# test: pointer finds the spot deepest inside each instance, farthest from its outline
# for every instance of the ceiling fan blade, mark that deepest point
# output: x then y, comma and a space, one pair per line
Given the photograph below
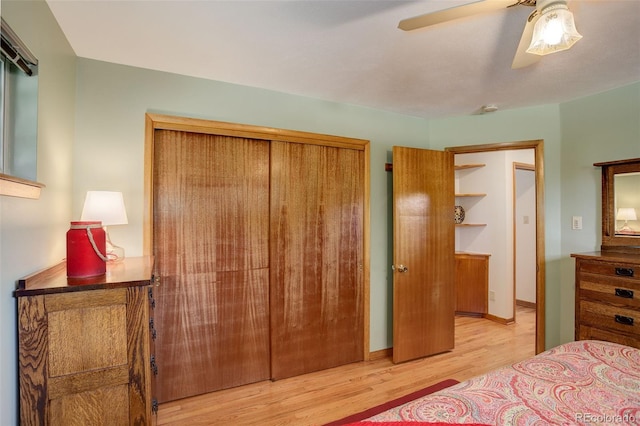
522, 58
477, 7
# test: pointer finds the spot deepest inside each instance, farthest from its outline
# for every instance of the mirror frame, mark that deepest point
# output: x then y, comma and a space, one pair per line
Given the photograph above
611, 241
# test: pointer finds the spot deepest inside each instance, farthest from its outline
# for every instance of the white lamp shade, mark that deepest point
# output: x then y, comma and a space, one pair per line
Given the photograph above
626, 213
105, 206
554, 31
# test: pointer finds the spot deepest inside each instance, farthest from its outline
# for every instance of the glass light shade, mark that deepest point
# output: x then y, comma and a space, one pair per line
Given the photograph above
554, 31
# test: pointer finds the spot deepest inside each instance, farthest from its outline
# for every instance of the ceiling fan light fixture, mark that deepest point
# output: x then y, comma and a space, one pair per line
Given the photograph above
554, 31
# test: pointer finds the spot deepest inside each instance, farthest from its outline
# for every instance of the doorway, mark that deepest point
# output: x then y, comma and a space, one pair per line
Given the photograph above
524, 219
537, 147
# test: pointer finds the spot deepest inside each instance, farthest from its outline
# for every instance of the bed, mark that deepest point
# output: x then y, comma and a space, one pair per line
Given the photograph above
584, 382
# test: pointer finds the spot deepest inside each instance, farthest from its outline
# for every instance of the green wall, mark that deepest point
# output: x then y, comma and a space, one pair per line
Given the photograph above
32, 232
523, 124
109, 93
91, 136
113, 99
602, 127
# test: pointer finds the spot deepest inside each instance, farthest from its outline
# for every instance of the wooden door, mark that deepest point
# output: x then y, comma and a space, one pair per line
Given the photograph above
211, 231
423, 253
317, 205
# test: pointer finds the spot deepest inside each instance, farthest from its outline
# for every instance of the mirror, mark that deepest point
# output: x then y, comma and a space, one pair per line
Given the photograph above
621, 205
626, 191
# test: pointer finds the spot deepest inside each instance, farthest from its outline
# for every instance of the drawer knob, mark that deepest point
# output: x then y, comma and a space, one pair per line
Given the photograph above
624, 272
621, 319
627, 294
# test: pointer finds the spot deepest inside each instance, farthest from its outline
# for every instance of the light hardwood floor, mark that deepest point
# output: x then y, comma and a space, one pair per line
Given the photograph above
317, 398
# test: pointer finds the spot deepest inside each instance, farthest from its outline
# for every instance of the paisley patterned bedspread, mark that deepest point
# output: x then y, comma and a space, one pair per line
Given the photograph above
585, 382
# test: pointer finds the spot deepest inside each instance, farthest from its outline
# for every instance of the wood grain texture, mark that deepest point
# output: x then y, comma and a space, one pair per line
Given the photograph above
317, 208
424, 242
79, 300
595, 288
101, 406
472, 283
211, 207
155, 122
86, 339
152, 376
75, 355
134, 271
187, 124
603, 315
33, 348
610, 239
320, 397
60, 386
138, 356
607, 294
586, 332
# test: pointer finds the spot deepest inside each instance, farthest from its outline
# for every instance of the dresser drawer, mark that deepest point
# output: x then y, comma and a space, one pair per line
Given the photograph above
620, 270
611, 317
617, 291
585, 332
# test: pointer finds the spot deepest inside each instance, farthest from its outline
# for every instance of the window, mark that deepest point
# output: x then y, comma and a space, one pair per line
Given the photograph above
18, 116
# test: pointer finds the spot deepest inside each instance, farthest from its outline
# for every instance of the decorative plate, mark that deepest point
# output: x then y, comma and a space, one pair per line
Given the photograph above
458, 214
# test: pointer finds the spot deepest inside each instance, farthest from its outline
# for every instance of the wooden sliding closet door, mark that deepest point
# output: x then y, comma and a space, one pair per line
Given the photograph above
210, 233
317, 199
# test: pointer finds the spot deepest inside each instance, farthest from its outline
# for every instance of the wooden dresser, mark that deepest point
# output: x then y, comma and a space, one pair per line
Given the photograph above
85, 346
607, 293
608, 297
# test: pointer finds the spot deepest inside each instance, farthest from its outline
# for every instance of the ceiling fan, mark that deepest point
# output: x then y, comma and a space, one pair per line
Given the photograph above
555, 13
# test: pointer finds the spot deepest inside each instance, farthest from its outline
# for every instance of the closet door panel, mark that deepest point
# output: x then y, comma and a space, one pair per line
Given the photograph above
316, 258
211, 230
218, 337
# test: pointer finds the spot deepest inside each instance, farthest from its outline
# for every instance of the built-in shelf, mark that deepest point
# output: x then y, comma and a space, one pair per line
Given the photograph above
471, 195
467, 166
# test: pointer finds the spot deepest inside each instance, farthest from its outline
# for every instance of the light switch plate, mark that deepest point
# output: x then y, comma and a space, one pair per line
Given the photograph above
576, 222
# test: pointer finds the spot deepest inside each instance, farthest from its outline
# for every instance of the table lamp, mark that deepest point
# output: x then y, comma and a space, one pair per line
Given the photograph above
626, 214
108, 208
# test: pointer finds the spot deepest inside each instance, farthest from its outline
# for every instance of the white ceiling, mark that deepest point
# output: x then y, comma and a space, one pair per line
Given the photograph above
351, 51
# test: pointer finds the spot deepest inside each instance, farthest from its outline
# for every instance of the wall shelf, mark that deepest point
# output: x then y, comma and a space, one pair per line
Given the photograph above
470, 166
467, 166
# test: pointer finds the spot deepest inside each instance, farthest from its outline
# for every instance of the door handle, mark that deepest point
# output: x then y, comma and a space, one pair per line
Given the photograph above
399, 268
